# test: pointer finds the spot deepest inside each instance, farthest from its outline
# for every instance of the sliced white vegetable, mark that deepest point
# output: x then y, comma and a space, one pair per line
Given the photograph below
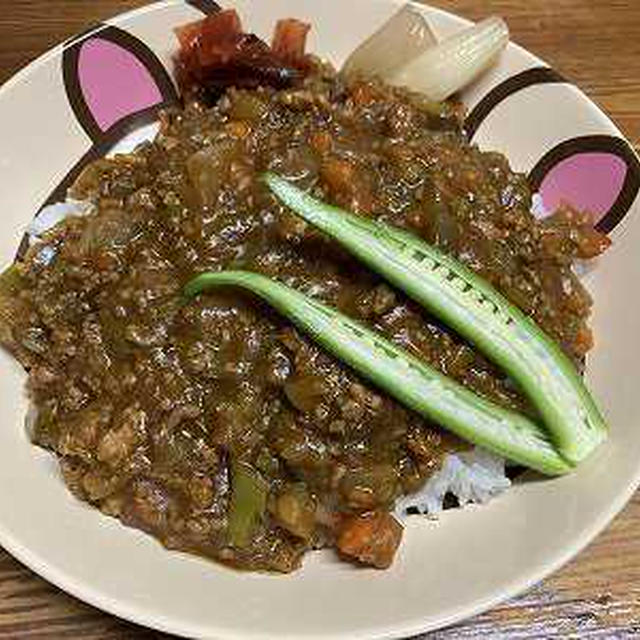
443, 70
403, 37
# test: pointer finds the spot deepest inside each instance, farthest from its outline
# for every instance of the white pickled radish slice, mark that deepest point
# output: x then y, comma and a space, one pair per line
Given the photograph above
404, 36
450, 66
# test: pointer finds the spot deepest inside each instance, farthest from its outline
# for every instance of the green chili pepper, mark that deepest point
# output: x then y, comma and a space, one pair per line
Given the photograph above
474, 309
410, 381
248, 504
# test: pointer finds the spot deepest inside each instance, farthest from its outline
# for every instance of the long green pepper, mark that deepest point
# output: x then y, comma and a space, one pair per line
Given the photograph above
473, 308
412, 382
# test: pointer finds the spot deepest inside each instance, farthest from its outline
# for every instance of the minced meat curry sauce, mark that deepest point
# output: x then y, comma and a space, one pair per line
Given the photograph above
213, 424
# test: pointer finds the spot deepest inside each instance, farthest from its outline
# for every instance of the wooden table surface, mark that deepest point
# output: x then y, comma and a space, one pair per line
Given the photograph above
595, 43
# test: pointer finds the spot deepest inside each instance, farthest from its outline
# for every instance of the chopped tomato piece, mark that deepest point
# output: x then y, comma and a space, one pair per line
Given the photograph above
321, 142
364, 94
584, 341
370, 538
348, 185
211, 32
290, 39
216, 54
187, 34
592, 242
339, 174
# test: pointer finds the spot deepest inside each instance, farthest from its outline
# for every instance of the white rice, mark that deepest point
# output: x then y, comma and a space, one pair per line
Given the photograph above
475, 476
53, 214
537, 207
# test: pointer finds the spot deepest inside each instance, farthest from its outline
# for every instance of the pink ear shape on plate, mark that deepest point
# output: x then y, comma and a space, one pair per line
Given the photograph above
115, 84
589, 181
600, 174
114, 81
597, 173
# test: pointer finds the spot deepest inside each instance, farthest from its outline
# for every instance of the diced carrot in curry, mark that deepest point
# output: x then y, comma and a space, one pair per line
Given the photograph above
372, 538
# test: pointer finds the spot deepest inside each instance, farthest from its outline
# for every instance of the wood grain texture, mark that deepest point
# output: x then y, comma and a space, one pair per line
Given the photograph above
595, 43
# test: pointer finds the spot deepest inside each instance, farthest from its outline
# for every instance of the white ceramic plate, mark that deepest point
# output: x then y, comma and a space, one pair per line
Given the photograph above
114, 80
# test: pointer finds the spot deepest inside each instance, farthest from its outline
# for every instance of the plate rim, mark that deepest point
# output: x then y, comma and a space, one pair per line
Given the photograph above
85, 592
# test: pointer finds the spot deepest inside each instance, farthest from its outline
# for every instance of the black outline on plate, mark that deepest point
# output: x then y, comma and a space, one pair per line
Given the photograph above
127, 42
586, 144
116, 133
208, 7
103, 141
536, 75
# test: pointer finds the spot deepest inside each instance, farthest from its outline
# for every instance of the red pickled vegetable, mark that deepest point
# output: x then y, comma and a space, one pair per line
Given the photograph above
217, 31
290, 40
216, 54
